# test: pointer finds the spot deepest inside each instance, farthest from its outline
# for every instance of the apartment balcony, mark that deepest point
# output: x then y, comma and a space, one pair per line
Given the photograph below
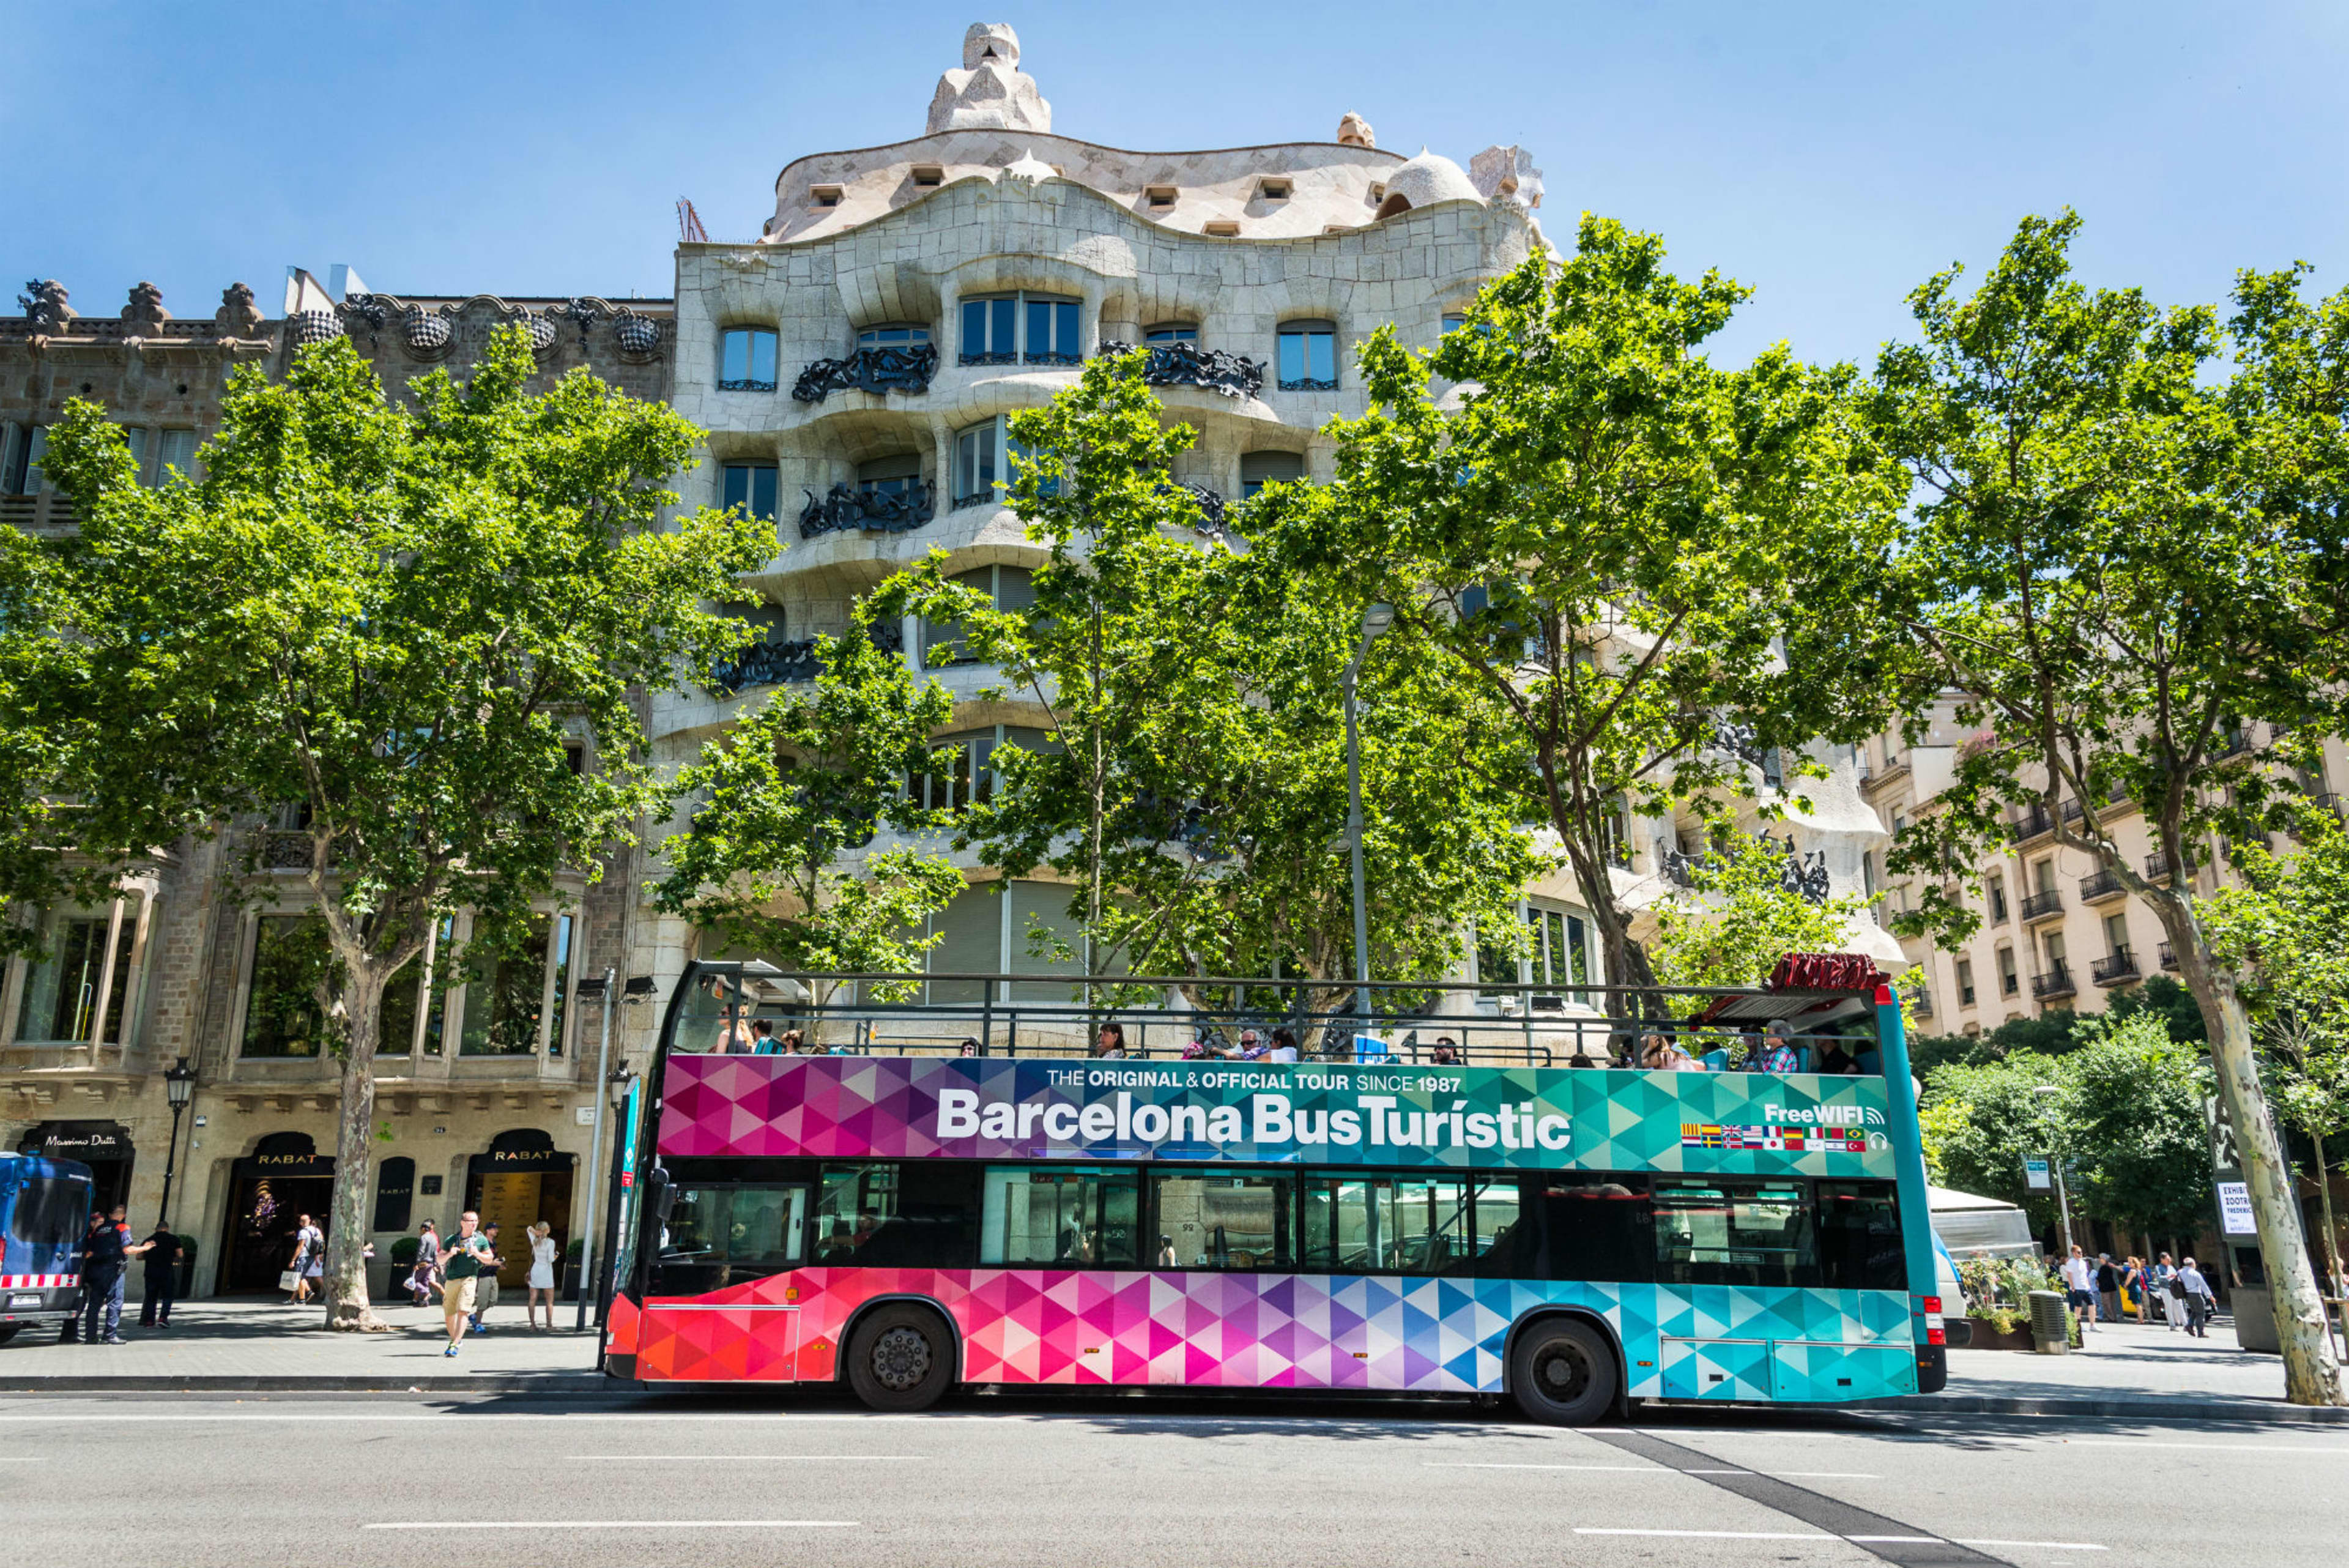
868, 509
906, 369
2055, 982
2115, 967
2157, 867
2234, 743
2169, 957
2047, 906
2034, 823
1188, 365
1921, 1005
2073, 810
2102, 887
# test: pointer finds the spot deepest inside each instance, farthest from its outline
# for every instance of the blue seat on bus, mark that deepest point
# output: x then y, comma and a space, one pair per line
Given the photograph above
1872, 1062
1715, 1061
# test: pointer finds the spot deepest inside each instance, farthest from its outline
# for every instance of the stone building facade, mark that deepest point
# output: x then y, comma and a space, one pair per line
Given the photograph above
481, 1098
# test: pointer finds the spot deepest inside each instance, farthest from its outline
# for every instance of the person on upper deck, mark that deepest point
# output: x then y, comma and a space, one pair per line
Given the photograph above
1778, 1055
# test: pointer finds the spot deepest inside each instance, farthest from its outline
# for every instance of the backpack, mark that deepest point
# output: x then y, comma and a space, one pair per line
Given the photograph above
2178, 1287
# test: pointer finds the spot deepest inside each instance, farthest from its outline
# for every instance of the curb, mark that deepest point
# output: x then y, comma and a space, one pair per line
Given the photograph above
564, 1383
2278, 1414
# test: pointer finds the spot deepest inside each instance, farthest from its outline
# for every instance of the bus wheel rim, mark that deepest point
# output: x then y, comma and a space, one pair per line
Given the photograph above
901, 1359
1562, 1370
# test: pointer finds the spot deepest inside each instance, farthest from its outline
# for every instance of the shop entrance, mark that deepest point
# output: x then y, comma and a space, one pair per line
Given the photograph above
104, 1146
519, 1182
281, 1180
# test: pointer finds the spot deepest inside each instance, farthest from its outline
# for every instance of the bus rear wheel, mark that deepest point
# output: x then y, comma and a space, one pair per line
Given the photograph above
901, 1357
1562, 1371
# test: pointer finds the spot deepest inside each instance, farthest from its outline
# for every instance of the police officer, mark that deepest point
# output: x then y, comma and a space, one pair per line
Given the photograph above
106, 1252
163, 1281
70, 1329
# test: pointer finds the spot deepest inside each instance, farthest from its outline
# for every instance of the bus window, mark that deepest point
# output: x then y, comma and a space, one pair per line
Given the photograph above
1595, 1227
919, 1215
1408, 1225
1074, 1218
1225, 1221
1501, 1242
1859, 1237
722, 1236
1734, 1234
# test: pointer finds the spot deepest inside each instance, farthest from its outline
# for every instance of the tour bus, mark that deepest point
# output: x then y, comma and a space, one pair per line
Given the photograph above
43, 1209
904, 1219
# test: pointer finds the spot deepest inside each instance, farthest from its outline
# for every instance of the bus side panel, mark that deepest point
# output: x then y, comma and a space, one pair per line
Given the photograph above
1248, 1331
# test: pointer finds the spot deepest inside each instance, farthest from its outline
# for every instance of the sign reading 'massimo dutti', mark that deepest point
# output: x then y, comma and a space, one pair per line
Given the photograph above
1393, 1116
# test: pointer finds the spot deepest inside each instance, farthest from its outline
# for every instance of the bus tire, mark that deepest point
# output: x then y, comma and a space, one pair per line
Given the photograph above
1562, 1371
9, 1331
901, 1357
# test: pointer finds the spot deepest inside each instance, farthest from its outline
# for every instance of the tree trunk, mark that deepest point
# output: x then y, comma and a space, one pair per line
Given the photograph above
2335, 1285
347, 1227
2312, 1370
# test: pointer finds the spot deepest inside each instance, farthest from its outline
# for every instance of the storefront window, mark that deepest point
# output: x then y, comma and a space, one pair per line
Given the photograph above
282, 1017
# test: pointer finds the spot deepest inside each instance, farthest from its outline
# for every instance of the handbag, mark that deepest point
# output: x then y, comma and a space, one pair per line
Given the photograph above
288, 1281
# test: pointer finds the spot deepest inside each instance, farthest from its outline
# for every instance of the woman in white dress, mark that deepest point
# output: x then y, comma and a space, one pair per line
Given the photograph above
542, 1253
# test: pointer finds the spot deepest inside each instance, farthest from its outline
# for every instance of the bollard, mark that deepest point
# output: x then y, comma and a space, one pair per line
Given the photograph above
2051, 1332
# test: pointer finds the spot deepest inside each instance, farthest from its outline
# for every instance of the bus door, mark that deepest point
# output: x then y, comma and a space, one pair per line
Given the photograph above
706, 1316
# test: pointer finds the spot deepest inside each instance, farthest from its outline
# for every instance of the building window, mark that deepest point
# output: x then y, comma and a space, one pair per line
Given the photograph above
1007, 589
1965, 982
514, 1001
290, 957
899, 476
1307, 357
1453, 321
747, 360
1017, 928
750, 489
1171, 332
1270, 189
2117, 940
415, 1006
1005, 329
962, 765
894, 336
981, 474
1258, 469
1994, 889
21, 473
2007, 983
64, 992
1559, 951
1160, 197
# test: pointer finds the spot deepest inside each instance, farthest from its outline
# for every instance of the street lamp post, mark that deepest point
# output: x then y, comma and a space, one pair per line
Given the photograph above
179, 1087
2055, 1158
1376, 619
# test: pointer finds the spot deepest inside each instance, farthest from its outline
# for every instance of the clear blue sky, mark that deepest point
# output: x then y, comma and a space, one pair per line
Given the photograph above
1831, 156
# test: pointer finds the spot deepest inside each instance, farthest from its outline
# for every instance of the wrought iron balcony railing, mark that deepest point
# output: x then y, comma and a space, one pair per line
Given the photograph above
780, 663
875, 371
2042, 906
2029, 824
1188, 365
849, 508
2056, 981
2114, 968
2157, 867
2168, 956
2100, 885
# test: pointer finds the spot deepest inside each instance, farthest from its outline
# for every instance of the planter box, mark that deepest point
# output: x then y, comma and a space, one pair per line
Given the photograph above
1987, 1336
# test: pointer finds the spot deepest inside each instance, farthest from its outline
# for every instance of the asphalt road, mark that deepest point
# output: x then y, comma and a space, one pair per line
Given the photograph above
200, 1481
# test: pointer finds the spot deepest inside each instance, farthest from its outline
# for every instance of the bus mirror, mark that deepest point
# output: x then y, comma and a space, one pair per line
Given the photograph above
660, 1196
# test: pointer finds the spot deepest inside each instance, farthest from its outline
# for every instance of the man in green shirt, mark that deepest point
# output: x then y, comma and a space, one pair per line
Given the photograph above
467, 1256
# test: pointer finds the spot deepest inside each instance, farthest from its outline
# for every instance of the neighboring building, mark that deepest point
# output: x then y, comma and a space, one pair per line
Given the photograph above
481, 1088
2056, 931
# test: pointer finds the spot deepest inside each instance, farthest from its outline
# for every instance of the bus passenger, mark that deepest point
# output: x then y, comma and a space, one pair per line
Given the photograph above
762, 1037
839, 1247
1284, 1047
1110, 1042
1659, 1054
1166, 1259
1835, 1059
1778, 1055
1447, 1053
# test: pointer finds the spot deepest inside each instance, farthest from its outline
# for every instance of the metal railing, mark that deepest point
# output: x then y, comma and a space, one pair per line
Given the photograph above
2099, 886
2114, 968
1174, 1018
2055, 981
2168, 956
2041, 905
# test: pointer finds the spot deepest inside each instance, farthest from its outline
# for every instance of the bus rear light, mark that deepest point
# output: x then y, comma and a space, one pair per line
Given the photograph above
1936, 1336
1932, 1306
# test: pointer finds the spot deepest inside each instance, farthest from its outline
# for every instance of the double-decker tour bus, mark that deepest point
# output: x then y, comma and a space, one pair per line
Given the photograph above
906, 1211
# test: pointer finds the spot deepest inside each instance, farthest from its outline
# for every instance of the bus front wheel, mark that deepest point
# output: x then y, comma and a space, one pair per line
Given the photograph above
1562, 1371
901, 1357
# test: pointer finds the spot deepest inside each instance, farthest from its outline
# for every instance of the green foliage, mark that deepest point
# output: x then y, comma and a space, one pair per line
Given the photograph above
1194, 792
404, 1251
2126, 1116
2060, 1030
1612, 545
1745, 922
783, 808
2282, 929
1999, 1289
396, 617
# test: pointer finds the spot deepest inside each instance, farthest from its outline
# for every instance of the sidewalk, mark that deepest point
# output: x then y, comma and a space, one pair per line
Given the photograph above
233, 1344
2124, 1369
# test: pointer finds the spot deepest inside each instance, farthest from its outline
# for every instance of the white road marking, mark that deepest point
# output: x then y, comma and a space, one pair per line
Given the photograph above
628, 1524
2050, 1545
1652, 1470
464, 1416
794, 1458
1714, 1534
2337, 1452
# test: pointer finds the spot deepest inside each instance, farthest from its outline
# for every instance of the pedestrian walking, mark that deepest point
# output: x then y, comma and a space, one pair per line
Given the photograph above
162, 1277
460, 1270
542, 1255
105, 1253
485, 1288
2164, 1273
2108, 1289
2080, 1288
309, 1261
2133, 1298
2194, 1291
